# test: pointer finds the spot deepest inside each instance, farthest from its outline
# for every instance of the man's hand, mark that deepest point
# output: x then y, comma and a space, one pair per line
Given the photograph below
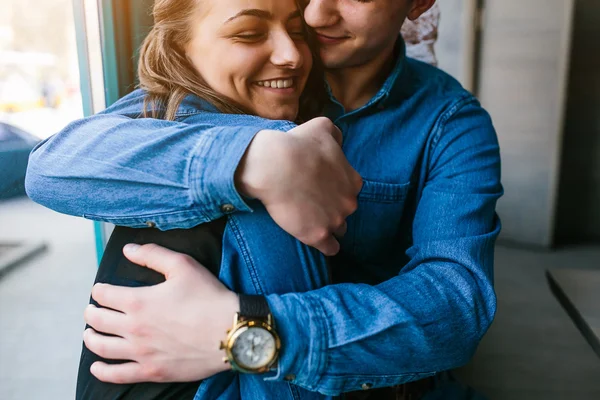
170, 332
304, 180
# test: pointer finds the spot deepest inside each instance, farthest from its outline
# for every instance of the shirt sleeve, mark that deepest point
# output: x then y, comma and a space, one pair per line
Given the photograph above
141, 171
432, 315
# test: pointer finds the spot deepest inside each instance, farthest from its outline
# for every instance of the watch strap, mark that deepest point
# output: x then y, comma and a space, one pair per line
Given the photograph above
254, 306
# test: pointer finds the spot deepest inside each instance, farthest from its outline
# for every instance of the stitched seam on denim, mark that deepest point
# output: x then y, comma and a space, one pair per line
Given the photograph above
448, 114
288, 126
128, 115
186, 114
195, 182
243, 246
381, 198
321, 317
184, 213
378, 376
294, 391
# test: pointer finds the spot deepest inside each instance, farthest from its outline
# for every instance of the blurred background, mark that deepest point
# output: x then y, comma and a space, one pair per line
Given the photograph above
534, 64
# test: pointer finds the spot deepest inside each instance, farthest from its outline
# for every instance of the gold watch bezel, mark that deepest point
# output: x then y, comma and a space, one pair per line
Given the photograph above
241, 326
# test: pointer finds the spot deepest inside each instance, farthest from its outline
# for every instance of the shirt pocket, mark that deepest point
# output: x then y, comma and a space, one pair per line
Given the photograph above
375, 226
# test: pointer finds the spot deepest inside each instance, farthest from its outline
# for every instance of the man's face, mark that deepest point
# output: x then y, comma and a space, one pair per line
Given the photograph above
354, 32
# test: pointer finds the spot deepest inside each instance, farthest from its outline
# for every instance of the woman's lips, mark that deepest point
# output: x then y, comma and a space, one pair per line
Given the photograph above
283, 87
330, 39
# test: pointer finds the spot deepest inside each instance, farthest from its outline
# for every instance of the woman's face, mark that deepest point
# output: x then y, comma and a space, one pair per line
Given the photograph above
254, 52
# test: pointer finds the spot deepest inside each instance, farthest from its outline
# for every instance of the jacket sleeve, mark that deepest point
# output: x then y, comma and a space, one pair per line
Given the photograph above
131, 171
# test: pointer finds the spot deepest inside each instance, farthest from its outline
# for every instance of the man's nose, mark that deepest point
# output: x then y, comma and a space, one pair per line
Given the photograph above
321, 13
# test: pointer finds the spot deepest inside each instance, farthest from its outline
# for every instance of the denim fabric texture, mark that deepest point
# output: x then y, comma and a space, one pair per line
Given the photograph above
413, 285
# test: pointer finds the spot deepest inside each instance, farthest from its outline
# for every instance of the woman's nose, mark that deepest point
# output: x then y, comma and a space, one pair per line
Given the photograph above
285, 52
321, 13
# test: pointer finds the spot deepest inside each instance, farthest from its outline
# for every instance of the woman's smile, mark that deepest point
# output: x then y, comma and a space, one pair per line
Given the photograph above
255, 53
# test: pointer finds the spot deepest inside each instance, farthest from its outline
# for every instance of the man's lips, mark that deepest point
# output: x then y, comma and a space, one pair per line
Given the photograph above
325, 39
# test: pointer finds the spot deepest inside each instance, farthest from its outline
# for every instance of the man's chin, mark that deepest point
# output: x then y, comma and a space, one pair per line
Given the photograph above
334, 60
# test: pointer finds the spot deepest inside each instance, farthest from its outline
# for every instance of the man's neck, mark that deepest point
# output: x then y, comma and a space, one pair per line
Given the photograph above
353, 87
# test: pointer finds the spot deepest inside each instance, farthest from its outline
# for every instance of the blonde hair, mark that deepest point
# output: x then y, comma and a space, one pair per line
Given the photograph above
167, 75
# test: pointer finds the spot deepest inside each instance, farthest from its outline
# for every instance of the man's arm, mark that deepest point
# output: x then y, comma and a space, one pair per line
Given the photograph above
140, 172
429, 318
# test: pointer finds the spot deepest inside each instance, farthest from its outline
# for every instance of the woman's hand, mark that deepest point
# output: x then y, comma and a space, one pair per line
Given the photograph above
304, 180
171, 331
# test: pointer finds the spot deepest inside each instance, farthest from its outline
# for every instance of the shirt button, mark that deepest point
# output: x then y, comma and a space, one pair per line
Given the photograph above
227, 208
150, 224
366, 386
289, 377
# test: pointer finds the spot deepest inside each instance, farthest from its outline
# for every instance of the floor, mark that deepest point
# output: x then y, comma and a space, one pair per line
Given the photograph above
532, 351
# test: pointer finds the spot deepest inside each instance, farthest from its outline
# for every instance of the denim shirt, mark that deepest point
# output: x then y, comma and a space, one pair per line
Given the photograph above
416, 266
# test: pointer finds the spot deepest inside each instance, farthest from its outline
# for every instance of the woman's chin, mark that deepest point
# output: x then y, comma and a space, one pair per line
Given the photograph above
283, 112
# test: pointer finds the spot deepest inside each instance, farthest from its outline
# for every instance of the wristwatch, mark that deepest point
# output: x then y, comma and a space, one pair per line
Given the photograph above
252, 345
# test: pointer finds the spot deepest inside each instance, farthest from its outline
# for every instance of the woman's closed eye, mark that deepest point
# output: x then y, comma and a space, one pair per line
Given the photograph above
250, 36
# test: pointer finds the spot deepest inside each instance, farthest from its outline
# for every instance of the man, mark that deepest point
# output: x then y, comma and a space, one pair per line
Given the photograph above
420, 244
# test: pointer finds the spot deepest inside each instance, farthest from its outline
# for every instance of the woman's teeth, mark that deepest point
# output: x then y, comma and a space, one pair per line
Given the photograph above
277, 84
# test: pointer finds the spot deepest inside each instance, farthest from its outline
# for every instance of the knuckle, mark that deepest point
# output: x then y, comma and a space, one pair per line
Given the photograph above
134, 304
338, 221
149, 248
136, 329
88, 314
92, 318
154, 373
352, 205
143, 351
99, 348
98, 292
320, 234
183, 259
358, 180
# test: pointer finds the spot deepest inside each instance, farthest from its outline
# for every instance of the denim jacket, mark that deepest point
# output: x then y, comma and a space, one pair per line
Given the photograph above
415, 274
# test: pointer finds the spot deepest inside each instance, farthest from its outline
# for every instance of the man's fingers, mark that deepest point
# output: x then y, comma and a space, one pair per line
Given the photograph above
110, 347
328, 246
337, 135
130, 372
104, 320
120, 298
341, 231
154, 257
318, 125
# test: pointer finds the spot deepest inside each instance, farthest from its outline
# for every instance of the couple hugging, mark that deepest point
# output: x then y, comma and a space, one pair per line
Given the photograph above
302, 211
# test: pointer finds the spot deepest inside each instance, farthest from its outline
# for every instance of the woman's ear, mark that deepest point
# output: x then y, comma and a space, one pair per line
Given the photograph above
419, 7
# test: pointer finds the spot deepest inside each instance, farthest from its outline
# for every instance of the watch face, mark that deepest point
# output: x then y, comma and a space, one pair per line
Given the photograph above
254, 348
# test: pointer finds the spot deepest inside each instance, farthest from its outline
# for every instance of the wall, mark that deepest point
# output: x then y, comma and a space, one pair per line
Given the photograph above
454, 48
579, 194
525, 48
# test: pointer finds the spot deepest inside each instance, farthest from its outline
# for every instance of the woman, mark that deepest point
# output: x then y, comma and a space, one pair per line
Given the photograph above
215, 60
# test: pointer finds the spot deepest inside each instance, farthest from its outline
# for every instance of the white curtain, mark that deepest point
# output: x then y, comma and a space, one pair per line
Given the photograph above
420, 35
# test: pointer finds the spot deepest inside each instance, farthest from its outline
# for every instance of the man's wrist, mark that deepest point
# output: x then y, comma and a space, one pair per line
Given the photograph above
230, 307
252, 344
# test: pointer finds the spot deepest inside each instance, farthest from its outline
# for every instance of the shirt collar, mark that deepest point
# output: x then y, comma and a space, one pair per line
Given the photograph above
393, 82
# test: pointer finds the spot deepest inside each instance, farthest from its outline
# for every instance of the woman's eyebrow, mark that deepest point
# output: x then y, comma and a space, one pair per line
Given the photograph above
254, 12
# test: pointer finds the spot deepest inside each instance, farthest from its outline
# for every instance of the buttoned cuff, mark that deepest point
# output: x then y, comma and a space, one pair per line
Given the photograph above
213, 166
302, 326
